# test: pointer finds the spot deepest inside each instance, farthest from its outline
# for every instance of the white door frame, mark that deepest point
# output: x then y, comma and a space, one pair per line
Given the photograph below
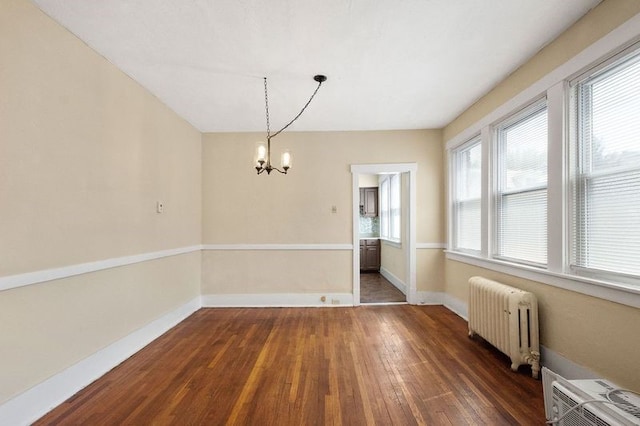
374, 169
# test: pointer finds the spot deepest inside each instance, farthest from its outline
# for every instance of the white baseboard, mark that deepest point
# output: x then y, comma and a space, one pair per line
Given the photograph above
430, 297
564, 366
34, 403
457, 306
280, 300
397, 282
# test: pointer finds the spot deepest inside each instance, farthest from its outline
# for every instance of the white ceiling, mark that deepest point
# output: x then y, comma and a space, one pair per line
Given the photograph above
391, 64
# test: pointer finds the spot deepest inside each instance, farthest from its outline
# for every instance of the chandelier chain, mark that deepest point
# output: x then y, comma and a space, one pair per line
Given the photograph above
266, 107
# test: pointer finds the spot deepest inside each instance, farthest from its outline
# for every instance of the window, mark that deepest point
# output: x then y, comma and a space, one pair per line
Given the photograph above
521, 186
467, 193
552, 192
390, 207
605, 176
384, 208
394, 207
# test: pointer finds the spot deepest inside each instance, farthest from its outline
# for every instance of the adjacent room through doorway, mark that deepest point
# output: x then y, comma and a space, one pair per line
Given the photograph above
381, 235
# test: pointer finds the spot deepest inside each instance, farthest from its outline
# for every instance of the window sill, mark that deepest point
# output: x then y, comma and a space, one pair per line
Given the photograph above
619, 293
392, 243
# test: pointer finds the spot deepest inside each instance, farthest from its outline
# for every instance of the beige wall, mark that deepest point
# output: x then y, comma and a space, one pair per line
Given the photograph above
368, 181
599, 335
393, 259
85, 153
430, 272
274, 271
240, 207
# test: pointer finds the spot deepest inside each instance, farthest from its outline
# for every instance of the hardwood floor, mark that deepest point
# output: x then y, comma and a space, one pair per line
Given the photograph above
374, 288
387, 365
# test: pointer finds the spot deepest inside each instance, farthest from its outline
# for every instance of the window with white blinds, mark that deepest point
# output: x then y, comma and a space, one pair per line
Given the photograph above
605, 159
467, 194
556, 198
521, 186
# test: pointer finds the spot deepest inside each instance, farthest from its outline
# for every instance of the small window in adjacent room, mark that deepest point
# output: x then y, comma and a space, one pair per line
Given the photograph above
467, 193
605, 171
394, 207
384, 208
521, 187
390, 207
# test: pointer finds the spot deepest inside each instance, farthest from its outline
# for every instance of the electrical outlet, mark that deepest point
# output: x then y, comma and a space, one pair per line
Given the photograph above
159, 207
335, 301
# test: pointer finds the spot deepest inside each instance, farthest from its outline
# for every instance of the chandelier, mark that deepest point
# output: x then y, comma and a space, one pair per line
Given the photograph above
263, 151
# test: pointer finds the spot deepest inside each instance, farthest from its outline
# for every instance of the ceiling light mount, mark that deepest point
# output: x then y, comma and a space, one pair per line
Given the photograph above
263, 151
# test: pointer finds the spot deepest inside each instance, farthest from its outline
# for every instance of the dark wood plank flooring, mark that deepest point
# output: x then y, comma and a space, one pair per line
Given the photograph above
387, 365
374, 288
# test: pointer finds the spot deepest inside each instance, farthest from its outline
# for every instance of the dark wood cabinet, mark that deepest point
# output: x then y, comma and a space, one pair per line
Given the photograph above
370, 255
369, 202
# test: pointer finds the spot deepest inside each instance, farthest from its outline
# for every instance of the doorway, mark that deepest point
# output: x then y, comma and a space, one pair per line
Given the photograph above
381, 226
405, 262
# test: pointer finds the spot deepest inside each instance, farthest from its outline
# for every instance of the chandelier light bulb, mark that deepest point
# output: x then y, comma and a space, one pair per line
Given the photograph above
261, 152
286, 159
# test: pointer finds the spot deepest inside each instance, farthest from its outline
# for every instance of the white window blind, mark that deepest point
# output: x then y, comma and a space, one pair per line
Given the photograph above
521, 186
467, 165
606, 169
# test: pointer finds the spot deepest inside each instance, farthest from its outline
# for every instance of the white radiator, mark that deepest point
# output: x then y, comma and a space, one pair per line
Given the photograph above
507, 318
